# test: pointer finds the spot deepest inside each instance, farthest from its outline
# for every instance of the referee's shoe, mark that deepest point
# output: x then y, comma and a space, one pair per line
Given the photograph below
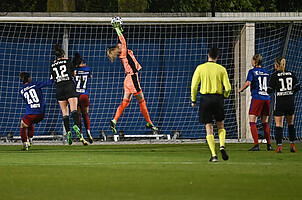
223, 152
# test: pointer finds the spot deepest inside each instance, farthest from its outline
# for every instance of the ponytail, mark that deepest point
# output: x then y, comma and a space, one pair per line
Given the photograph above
258, 59
280, 62
59, 51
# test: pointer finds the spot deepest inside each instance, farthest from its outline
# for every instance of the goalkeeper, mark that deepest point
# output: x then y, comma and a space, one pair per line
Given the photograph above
131, 83
212, 76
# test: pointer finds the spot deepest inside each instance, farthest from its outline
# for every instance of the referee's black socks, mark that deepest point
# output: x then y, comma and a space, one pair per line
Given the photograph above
279, 131
75, 116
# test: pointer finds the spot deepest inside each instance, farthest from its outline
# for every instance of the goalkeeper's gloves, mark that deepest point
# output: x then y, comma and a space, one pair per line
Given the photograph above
117, 24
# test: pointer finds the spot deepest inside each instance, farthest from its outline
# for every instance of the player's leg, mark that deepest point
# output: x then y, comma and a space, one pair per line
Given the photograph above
23, 134
279, 130
126, 101
31, 129
143, 107
211, 142
73, 103
85, 113
80, 117
221, 135
291, 132
65, 112
266, 129
254, 131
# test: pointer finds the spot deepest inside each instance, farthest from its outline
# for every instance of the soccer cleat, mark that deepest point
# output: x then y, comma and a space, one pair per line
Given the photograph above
269, 147
25, 147
84, 142
112, 126
29, 144
292, 148
90, 139
223, 152
255, 148
69, 137
279, 149
151, 126
214, 159
78, 131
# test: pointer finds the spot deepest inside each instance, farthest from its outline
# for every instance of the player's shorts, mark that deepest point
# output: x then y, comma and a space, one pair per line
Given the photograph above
259, 107
283, 110
66, 91
211, 107
131, 84
32, 119
83, 101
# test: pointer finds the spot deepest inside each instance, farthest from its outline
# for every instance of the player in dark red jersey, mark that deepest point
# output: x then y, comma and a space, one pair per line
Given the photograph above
82, 76
257, 79
284, 84
62, 71
31, 93
131, 83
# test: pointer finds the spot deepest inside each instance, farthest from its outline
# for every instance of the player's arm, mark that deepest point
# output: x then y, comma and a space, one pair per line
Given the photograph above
45, 83
247, 82
117, 25
194, 86
296, 84
226, 84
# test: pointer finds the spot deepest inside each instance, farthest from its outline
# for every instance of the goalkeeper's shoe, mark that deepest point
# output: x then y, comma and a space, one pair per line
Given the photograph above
151, 126
255, 148
223, 152
90, 139
279, 149
69, 137
292, 148
112, 126
269, 147
214, 159
84, 142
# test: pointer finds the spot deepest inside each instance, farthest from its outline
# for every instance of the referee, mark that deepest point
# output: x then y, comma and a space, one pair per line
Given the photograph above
212, 76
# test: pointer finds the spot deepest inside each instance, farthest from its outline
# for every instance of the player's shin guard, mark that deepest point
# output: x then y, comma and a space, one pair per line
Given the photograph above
267, 132
144, 110
31, 131
23, 134
254, 132
66, 123
279, 131
86, 121
75, 116
291, 133
121, 108
221, 135
211, 143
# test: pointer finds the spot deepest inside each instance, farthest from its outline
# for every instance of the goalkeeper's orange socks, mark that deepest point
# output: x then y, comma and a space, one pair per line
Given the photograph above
221, 135
267, 132
121, 109
144, 110
211, 143
254, 132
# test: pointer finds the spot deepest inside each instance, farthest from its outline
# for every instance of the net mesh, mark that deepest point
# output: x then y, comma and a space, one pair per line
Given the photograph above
168, 54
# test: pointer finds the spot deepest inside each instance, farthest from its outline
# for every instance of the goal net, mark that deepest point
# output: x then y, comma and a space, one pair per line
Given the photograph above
168, 51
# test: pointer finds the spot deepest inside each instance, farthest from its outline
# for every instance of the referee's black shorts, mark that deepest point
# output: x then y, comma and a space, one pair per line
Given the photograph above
211, 107
66, 91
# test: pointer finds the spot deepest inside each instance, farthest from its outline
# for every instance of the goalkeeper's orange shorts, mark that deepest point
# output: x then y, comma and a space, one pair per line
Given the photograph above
131, 84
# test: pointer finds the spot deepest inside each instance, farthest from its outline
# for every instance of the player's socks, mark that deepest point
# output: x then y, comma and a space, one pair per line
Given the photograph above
278, 135
221, 135
291, 133
86, 121
75, 116
66, 123
254, 132
121, 109
31, 131
211, 143
144, 110
267, 132
23, 134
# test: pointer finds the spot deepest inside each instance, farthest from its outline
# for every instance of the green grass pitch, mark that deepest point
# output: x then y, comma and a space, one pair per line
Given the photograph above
149, 171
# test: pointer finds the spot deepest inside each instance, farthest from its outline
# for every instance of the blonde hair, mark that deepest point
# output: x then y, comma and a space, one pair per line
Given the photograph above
113, 52
258, 59
281, 63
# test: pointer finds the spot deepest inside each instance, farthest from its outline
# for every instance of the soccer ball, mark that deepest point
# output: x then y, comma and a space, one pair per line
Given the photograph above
117, 19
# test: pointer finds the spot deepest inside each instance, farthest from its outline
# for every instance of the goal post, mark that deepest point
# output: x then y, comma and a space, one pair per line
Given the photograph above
169, 50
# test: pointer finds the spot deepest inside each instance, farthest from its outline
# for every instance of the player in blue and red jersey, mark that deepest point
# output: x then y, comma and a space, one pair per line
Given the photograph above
35, 107
82, 76
257, 79
131, 84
